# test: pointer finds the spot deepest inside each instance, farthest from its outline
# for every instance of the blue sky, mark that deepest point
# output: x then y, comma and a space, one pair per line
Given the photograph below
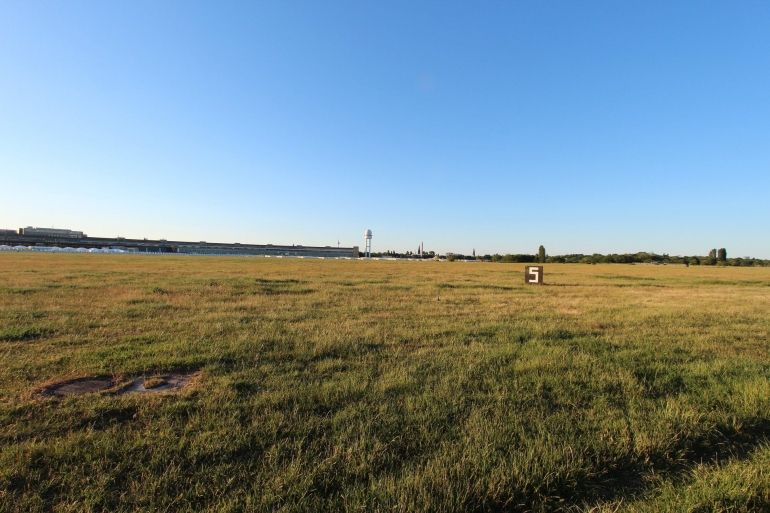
583, 126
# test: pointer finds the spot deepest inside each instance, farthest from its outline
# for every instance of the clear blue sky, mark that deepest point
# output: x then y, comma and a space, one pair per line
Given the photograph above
583, 126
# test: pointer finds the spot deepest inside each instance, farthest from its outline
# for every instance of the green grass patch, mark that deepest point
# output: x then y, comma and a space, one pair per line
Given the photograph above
22, 333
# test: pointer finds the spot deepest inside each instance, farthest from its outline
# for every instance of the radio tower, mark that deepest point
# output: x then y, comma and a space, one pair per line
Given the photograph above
368, 243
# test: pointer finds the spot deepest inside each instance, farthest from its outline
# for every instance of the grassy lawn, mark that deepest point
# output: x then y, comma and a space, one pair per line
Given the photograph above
332, 385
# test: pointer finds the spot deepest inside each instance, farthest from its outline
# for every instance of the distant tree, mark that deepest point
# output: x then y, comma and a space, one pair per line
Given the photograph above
713, 254
450, 257
695, 261
643, 257
517, 258
541, 255
722, 255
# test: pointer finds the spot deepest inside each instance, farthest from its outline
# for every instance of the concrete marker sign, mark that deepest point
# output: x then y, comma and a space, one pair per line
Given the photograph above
533, 274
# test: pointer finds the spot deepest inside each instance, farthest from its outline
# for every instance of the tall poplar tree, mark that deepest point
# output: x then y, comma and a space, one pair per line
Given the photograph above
722, 255
541, 255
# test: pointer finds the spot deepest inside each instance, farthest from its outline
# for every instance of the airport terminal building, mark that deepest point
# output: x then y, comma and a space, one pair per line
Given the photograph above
57, 238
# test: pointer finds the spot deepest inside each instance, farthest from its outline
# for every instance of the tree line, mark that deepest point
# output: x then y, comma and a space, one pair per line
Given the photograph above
714, 257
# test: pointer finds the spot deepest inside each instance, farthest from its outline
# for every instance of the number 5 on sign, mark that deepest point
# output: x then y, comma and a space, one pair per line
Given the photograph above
533, 274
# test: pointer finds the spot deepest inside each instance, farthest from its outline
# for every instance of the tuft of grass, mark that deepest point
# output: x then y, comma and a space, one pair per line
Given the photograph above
154, 382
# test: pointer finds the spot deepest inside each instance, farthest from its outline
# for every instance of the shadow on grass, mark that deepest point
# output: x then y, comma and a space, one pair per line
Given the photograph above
605, 285
623, 480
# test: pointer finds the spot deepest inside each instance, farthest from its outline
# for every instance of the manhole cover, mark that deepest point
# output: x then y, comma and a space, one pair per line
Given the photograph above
79, 386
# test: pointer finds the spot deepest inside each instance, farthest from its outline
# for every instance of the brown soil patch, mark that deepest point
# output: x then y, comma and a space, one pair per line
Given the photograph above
129, 385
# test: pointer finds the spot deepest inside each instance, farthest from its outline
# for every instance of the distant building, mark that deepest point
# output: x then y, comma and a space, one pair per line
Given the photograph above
50, 237
51, 232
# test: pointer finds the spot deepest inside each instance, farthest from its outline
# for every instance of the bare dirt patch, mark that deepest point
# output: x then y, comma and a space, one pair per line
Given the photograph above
164, 383
131, 385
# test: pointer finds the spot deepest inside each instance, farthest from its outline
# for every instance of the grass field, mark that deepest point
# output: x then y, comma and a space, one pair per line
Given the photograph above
348, 386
